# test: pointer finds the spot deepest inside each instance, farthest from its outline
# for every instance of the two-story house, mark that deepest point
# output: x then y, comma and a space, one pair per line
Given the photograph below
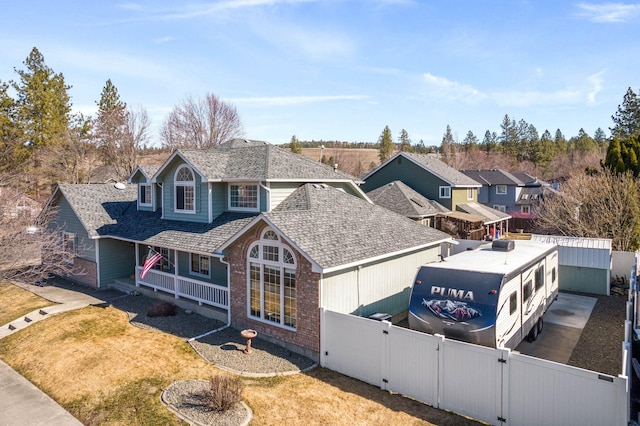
250, 234
514, 193
439, 182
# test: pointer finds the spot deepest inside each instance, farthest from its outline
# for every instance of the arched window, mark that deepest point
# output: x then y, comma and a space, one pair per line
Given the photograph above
271, 283
184, 190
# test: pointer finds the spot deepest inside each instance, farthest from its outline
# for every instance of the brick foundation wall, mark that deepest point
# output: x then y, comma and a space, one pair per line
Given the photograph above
84, 272
306, 338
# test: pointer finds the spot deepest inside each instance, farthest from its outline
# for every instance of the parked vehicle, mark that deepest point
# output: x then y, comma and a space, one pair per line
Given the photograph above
492, 296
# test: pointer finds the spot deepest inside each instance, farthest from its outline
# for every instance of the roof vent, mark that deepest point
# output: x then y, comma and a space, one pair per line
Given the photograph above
120, 185
503, 245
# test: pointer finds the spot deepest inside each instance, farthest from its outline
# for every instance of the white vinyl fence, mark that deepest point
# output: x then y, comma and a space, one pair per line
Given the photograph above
496, 386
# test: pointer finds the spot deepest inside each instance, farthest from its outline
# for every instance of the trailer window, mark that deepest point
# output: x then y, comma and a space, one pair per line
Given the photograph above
513, 302
539, 277
553, 275
526, 291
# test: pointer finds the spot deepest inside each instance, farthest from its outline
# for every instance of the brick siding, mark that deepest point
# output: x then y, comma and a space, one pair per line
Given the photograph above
306, 338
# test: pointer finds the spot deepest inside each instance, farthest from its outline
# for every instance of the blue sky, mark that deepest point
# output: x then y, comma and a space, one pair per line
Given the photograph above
342, 70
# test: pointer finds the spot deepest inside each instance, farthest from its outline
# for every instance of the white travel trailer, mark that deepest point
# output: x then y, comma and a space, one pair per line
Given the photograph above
492, 296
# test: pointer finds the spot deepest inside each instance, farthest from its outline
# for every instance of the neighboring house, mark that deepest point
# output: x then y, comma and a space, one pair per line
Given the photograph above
261, 237
514, 193
437, 181
427, 175
16, 204
398, 197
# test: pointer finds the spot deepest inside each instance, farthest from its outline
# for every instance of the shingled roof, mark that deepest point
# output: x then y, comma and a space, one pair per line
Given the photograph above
434, 166
493, 177
400, 198
255, 160
106, 211
336, 229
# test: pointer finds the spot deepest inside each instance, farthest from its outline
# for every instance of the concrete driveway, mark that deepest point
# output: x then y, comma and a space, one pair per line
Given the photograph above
563, 324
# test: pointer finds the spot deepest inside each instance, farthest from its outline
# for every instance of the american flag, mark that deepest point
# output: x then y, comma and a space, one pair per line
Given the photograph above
148, 264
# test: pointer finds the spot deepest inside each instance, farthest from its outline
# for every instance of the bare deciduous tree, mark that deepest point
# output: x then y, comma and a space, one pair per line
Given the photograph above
31, 251
603, 205
201, 124
122, 148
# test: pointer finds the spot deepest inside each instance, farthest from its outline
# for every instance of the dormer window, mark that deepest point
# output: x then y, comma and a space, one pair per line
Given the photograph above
184, 191
144, 198
244, 197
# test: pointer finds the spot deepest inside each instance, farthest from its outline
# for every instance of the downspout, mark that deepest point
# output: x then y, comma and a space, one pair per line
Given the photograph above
268, 190
228, 324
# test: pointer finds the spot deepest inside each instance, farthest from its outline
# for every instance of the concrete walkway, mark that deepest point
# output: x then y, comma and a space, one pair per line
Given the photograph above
22, 403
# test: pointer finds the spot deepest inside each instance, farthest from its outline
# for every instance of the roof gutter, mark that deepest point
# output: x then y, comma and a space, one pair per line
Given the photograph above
383, 256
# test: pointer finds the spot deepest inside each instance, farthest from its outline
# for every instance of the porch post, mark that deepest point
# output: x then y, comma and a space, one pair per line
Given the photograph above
176, 285
135, 271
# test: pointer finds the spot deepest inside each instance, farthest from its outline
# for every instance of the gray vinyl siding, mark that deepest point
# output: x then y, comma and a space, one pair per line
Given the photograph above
508, 200
383, 286
280, 191
219, 196
346, 187
412, 175
218, 269
67, 221
201, 198
117, 260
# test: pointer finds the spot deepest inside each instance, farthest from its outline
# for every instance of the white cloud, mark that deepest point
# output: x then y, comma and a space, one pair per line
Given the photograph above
207, 9
293, 100
112, 63
530, 98
608, 12
451, 90
165, 39
596, 82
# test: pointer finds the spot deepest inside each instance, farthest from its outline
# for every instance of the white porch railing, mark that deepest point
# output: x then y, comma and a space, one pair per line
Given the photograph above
200, 291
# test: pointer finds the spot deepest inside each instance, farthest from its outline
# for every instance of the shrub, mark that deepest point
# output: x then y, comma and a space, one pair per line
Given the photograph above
224, 392
162, 309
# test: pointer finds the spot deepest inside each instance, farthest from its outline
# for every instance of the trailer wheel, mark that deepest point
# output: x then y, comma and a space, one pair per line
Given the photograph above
540, 325
533, 333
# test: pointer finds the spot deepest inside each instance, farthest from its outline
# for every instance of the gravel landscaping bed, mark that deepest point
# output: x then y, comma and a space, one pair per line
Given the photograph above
186, 399
600, 345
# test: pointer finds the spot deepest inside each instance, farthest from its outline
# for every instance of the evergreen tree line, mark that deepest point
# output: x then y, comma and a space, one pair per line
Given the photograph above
43, 143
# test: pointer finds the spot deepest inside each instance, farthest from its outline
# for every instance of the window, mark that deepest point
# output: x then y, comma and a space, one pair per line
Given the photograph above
501, 189
185, 189
200, 265
527, 290
539, 277
553, 275
68, 247
445, 192
513, 302
525, 209
503, 209
272, 281
243, 197
469, 193
145, 194
165, 263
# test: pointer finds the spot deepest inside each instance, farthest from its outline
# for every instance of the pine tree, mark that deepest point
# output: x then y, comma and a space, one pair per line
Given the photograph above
12, 151
447, 147
405, 141
43, 110
295, 145
386, 145
627, 119
470, 141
